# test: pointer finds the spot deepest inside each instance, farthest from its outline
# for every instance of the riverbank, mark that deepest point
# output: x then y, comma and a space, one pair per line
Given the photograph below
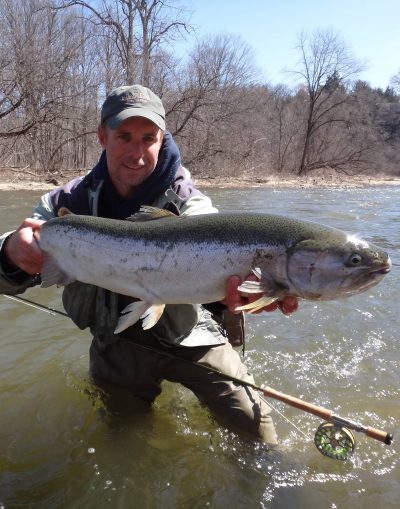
345, 181
19, 183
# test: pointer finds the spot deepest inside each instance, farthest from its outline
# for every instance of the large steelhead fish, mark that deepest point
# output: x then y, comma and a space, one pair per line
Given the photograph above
163, 259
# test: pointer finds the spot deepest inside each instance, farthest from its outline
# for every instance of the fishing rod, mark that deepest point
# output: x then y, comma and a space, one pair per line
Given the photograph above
35, 305
333, 437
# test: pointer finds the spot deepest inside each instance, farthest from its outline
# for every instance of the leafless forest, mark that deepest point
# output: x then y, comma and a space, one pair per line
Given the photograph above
58, 59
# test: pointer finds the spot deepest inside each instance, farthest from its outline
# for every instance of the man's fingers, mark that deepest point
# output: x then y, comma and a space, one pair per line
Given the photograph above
288, 305
34, 224
232, 296
22, 249
271, 307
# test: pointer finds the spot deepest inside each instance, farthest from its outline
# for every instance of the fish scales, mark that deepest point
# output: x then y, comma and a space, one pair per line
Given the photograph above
239, 229
153, 248
188, 259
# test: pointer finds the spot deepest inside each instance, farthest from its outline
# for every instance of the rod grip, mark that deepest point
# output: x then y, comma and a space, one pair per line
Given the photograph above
377, 434
321, 412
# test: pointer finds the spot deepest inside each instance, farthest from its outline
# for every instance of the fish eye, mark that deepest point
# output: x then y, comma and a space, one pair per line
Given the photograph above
354, 259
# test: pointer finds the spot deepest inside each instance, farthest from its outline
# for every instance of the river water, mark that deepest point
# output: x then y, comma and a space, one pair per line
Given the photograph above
59, 448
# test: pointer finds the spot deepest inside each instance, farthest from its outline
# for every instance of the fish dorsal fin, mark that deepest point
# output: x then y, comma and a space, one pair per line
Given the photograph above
148, 213
64, 211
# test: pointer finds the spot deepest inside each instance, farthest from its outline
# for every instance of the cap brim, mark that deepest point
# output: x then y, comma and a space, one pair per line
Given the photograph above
116, 120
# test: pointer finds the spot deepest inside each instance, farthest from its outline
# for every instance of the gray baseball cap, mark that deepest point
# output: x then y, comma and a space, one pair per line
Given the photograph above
132, 101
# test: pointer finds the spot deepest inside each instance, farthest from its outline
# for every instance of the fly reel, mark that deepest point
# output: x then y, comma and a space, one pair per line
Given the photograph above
334, 441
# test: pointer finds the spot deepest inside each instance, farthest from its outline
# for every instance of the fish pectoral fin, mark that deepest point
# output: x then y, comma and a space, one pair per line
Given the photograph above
264, 283
151, 316
258, 304
251, 287
52, 274
149, 313
148, 213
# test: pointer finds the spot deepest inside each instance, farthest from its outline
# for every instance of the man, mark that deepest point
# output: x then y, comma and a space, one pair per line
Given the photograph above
140, 165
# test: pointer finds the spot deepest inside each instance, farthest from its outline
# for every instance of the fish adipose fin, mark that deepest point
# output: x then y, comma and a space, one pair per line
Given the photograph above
252, 307
150, 314
147, 213
53, 275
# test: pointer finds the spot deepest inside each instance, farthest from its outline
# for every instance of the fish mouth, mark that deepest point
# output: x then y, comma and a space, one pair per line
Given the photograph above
370, 279
379, 272
367, 279
382, 270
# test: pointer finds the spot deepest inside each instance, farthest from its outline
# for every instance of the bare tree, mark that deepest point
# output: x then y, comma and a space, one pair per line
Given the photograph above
44, 82
209, 98
395, 82
283, 122
117, 20
160, 22
58, 58
326, 67
137, 28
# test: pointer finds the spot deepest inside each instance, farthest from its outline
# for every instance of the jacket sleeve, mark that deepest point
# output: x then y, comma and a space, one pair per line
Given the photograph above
199, 204
17, 281
194, 202
44, 209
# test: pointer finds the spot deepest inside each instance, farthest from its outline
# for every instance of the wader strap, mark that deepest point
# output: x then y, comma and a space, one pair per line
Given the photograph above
93, 195
170, 201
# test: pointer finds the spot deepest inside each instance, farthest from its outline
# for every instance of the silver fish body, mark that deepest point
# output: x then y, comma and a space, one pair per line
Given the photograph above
187, 259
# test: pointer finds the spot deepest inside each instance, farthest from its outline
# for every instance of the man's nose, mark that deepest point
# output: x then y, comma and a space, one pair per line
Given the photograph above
135, 149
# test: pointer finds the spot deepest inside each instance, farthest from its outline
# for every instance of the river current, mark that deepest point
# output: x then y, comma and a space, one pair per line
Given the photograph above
59, 448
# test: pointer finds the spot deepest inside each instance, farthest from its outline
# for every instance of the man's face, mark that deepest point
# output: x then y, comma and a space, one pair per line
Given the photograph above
132, 152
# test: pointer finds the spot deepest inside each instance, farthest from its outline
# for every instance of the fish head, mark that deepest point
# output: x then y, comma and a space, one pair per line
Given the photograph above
337, 265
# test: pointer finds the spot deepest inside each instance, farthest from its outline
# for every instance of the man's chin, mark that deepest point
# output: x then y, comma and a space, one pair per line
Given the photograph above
131, 181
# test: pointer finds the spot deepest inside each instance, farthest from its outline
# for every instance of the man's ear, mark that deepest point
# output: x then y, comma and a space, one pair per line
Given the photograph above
101, 135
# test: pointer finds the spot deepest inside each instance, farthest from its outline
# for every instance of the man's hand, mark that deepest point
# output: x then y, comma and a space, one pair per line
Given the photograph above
234, 299
21, 249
